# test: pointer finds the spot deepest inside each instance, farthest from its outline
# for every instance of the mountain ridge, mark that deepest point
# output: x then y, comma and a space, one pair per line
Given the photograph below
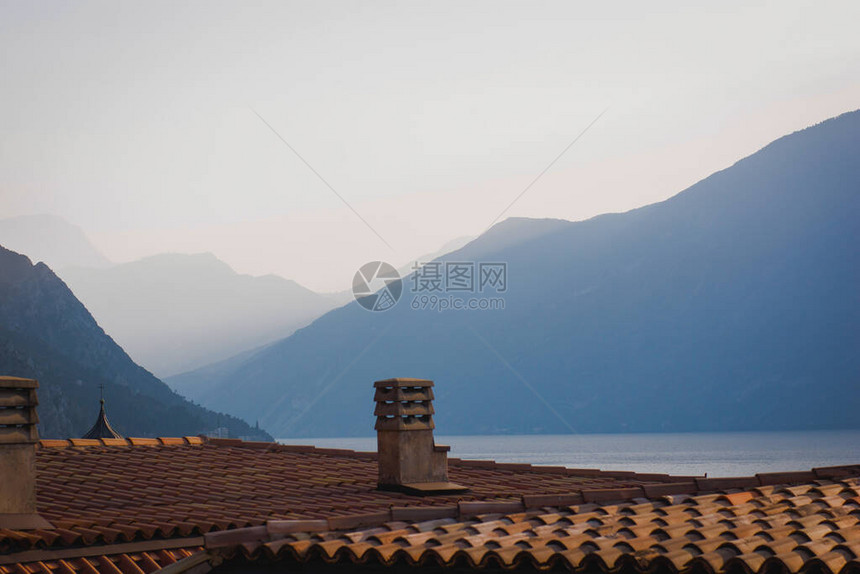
725, 307
47, 334
50, 239
174, 312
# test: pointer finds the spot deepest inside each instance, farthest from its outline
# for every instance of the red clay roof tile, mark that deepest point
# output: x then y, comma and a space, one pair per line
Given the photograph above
541, 539
130, 492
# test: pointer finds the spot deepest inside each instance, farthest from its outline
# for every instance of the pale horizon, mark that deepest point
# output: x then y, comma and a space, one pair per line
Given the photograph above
427, 120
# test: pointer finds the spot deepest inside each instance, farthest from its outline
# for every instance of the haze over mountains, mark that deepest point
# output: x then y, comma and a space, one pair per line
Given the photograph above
52, 240
732, 306
171, 312
47, 334
175, 313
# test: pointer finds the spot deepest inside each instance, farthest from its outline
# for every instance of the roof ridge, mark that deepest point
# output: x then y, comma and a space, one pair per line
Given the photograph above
466, 510
590, 472
128, 441
760, 479
700, 483
298, 448
460, 462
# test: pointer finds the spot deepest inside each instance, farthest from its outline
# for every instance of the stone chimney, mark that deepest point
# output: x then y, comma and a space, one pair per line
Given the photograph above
18, 437
409, 459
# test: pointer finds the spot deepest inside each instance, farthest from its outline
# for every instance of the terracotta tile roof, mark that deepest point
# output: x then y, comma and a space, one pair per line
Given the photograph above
133, 505
120, 563
812, 527
114, 492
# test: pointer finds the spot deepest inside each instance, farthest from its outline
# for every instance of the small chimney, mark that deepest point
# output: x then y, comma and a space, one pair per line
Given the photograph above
409, 459
18, 437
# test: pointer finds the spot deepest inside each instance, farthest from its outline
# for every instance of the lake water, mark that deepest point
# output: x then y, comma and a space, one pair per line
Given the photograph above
714, 454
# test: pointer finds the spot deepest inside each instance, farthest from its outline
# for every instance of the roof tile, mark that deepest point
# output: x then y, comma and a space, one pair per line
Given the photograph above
306, 504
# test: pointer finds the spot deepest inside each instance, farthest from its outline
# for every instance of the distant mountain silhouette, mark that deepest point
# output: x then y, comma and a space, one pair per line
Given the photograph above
174, 313
50, 239
197, 385
732, 306
47, 334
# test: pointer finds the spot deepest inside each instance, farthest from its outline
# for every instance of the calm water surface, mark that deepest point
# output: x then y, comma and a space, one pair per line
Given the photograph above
717, 454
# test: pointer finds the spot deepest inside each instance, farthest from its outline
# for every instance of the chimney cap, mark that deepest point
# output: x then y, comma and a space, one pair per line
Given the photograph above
17, 383
401, 382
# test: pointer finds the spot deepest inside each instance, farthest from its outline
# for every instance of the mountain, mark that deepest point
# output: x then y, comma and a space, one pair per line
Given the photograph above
174, 313
47, 334
50, 239
196, 384
733, 305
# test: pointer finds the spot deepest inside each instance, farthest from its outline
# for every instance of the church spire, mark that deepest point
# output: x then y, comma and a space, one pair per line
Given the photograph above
102, 428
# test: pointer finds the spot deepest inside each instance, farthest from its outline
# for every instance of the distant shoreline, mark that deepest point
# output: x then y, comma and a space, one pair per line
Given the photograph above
711, 453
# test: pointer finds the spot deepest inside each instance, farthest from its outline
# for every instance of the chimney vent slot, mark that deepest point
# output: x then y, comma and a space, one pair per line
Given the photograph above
18, 437
18, 416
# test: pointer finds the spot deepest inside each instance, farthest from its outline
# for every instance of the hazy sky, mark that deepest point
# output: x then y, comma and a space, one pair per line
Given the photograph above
137, 121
